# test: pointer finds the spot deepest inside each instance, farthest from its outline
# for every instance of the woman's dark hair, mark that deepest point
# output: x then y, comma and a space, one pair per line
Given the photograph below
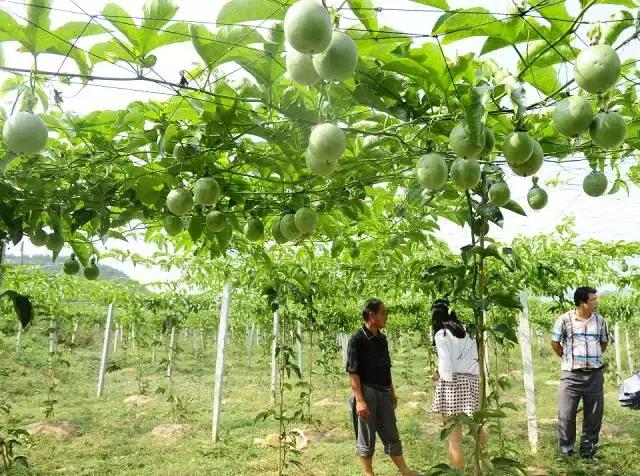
441, 318
372, 305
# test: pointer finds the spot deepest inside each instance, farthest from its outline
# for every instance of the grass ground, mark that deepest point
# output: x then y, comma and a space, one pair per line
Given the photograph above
115, 438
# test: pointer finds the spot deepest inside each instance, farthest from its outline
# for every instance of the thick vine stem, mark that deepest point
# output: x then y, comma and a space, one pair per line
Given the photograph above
478, 293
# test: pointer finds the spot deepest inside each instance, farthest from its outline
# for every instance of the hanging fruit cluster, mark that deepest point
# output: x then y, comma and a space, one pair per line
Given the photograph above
597, 69
316, 53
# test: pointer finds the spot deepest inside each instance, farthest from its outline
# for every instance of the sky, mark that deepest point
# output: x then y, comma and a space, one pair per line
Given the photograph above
607, 218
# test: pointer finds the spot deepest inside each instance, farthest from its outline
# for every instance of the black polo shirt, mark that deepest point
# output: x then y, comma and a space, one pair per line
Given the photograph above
368, 356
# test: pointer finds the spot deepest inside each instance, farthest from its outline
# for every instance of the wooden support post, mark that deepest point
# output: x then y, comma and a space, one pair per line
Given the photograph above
105, 351
217, 387
524, 336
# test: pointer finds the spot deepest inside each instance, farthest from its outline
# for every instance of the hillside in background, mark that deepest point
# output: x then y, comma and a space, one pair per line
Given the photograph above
45, 263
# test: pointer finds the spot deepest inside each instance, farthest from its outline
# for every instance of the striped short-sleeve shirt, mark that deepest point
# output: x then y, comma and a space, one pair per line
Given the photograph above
580, 340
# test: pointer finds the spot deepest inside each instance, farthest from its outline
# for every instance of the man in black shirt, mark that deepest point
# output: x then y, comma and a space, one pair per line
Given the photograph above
373, 400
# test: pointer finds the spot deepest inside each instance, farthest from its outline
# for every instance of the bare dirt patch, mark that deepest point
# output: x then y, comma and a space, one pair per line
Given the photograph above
57, 429
138, 400
169, 430
327, 402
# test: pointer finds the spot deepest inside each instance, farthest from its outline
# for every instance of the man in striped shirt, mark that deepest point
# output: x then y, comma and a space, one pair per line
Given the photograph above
579, 337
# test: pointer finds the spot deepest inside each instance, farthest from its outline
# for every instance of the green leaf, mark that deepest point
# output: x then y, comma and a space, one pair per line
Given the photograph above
430, 56
474, 111
39, 23
366, 13
80, 217
493, 43
490, 251
543, 79
22, 306
83, 250
72, 30
556, 14
467, 252
240, 11
38, 13
196, 227
492, 213
471, 22
175, 33
407, 67
111, 51
6, 161
157, 13
440, 4
10, 30
617, 185
508, 300
619, 22
624, 3
121, 20
229, 44
336, 248
540, 54
515, 208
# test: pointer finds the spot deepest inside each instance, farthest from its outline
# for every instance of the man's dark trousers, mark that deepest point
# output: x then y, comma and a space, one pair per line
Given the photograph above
588, 386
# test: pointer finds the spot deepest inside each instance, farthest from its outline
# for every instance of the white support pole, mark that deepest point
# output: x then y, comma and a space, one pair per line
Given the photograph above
172, 341
217, 386
274, 360
485, 341
19, 337
616, 342
524, 336
74, 332
299, 339
194, 340
115, 339
121, 333
105, 351
629, 352
344, 343
52, 335
133, 337
252, 332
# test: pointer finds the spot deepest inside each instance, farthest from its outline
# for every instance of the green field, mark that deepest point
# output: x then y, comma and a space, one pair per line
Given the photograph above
112, 437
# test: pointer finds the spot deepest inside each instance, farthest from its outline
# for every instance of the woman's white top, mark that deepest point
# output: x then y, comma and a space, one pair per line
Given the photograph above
456, 356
